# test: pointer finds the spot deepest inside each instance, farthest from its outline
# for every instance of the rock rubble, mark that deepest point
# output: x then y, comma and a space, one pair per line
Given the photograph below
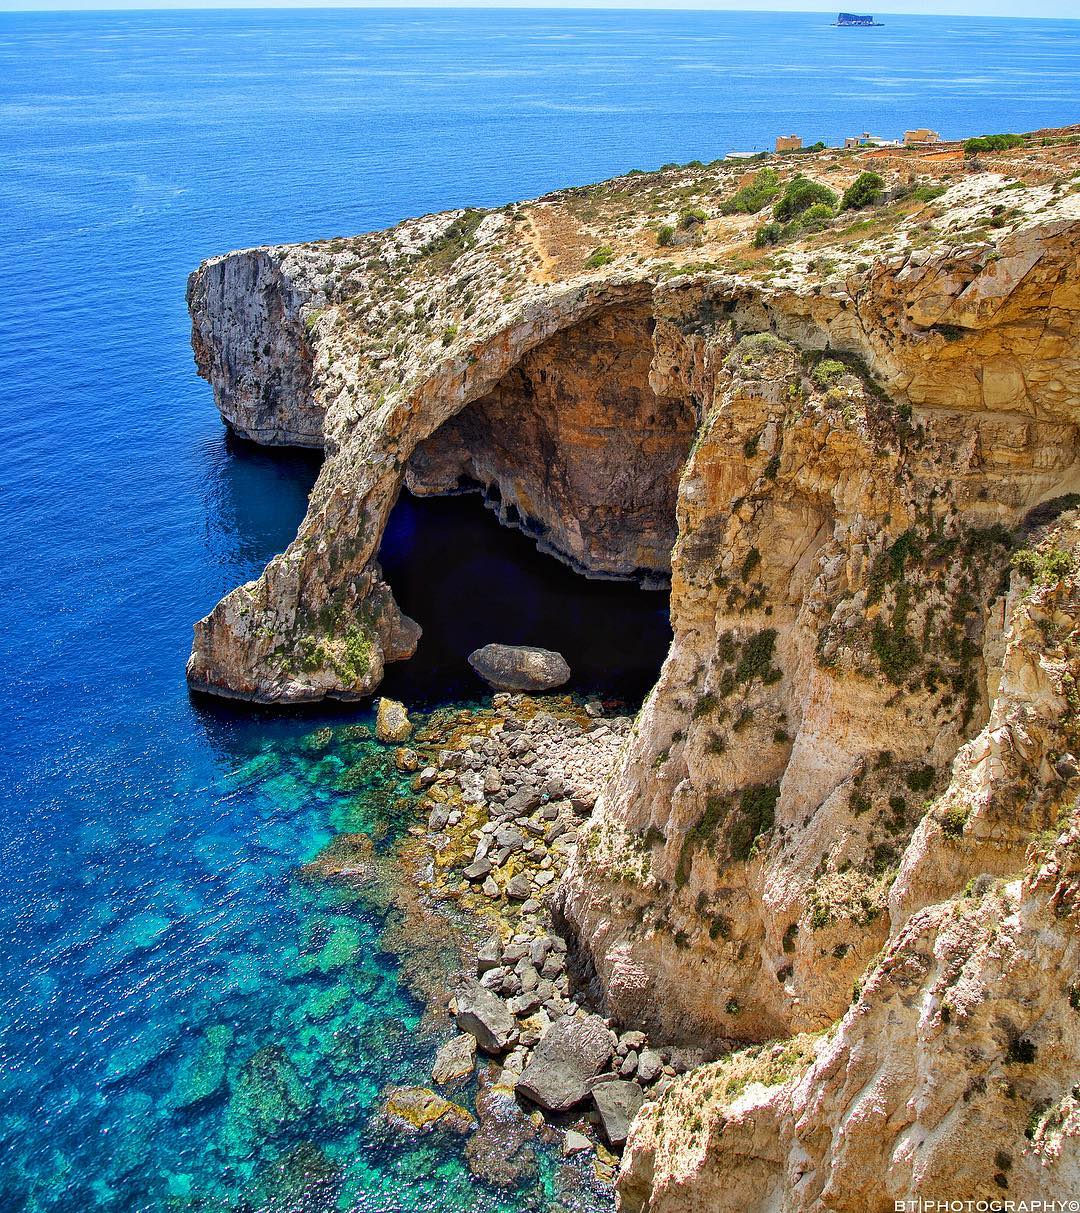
504, 800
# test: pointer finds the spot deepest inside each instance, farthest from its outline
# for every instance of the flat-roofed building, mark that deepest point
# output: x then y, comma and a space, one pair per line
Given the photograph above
923, 135
868, 140
788, 143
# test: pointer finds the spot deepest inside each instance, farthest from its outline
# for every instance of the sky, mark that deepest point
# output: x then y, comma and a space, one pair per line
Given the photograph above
974, 8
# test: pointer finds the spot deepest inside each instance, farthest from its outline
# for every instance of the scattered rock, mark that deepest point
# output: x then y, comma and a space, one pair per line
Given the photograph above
489, 954
519, 888
484, 1016
501, 1152
420, 1109
391, 721
345, 856
455, 1059
519, 667
406, 760
477, 870
618, 1103
649, 1065
575, 1143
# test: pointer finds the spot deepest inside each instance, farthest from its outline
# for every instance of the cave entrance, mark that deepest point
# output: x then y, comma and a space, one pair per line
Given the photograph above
573, 449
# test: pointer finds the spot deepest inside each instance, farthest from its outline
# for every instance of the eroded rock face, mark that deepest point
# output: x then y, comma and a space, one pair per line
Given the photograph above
250, 342
836, 605
954, 1067
575, 448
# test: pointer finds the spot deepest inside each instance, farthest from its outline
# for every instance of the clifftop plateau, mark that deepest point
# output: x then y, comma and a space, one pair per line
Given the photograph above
833, 399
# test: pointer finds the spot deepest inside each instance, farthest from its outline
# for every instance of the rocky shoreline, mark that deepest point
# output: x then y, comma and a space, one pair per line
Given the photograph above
506, 792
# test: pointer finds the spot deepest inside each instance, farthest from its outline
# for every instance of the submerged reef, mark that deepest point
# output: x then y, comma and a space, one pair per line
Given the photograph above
832, 399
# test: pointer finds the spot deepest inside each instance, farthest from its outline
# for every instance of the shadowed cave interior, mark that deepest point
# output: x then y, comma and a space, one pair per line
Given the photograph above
573, 449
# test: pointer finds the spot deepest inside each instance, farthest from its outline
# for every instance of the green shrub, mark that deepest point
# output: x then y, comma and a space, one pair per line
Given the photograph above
756, 658
866, 190
894, 647
756, 815
768, 233
449, 333
459, 235
1021, 1051
357, 657
800, 195
691, 216
926, 193
1044, 566
953, 820
816, 216
827, 371
750, 562
755, 196
921, 779
665, 236
754, 347
600, 256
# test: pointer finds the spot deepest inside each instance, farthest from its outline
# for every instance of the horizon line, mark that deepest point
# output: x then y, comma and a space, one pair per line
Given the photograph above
957, 9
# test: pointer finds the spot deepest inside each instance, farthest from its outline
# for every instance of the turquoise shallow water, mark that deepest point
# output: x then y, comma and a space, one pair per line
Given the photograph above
228, 1025
174, 1022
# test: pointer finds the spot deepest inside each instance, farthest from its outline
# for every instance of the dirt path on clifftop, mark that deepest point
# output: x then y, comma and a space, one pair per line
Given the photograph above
558, 242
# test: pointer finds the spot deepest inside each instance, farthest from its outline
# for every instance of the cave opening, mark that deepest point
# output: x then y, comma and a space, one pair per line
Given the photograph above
579, 460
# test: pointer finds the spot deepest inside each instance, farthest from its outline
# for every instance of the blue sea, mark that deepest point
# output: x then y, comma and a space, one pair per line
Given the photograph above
185, 1023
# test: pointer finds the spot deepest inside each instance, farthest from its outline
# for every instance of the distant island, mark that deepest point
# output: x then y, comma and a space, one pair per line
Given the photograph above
856, 19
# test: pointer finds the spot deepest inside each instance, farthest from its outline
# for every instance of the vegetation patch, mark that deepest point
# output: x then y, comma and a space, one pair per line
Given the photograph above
1044, 565
600, 257
755, 196
800, 195
460, 235
992, 143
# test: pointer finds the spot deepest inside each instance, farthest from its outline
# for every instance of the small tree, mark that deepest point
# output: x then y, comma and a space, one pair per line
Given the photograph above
866, 190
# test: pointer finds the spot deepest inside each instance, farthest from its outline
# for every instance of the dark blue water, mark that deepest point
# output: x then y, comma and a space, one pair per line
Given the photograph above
183, 1023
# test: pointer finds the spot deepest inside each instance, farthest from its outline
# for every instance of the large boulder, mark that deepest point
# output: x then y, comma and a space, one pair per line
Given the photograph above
570, 1052
392, 721
485, 1016
508, 667
618, 1103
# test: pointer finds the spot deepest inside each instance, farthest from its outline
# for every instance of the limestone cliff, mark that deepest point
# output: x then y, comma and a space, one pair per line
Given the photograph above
953, 1074
838, 447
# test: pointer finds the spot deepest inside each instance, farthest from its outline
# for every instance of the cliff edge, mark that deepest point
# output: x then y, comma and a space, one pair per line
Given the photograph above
845, 818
